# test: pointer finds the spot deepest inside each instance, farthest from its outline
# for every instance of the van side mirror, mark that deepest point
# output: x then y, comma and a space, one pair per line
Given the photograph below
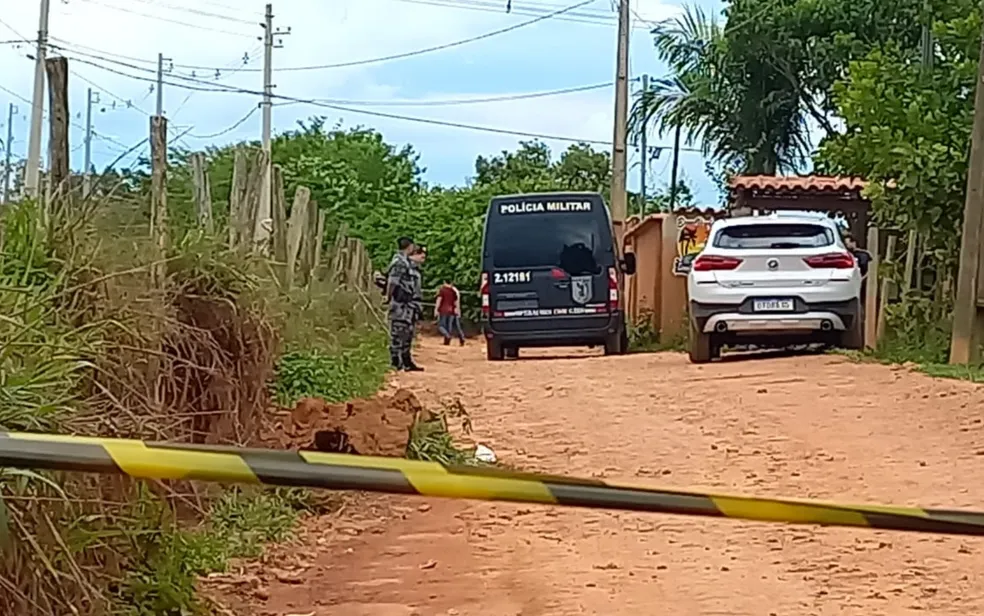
629, 263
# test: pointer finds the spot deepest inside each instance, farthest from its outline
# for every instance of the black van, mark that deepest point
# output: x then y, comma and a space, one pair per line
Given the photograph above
551, 274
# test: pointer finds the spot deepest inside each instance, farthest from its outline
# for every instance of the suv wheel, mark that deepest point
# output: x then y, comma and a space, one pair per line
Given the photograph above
853, 338
701, 347
493, 350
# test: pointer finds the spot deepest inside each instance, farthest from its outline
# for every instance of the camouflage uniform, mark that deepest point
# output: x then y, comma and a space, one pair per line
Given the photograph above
403, 281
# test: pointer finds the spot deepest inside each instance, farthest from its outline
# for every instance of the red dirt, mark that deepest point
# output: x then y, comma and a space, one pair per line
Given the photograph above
378, 426
816, 426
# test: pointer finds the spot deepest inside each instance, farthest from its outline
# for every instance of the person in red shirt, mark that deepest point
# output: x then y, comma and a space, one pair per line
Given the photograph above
448, 309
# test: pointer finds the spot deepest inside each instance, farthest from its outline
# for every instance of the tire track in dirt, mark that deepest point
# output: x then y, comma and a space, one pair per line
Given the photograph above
814, 426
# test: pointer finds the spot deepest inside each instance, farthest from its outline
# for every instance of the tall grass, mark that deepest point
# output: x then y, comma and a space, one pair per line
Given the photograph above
88, 346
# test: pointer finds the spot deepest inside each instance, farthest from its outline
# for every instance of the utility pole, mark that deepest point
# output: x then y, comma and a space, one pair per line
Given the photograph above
9, 144
644, 163
32, 171
675, 168
619, 168
160, 81
93, 97
965, 340
270, 42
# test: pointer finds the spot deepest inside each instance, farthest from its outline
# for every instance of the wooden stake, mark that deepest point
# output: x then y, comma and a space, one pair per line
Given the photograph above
237, 194
886, 287
202, 192
309, 245
910, 260
963, 342
319, 241
158, 197
871, 293
295, 232
58, 150
278, 208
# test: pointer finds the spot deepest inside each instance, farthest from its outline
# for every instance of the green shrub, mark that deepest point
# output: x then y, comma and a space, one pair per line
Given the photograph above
354, 371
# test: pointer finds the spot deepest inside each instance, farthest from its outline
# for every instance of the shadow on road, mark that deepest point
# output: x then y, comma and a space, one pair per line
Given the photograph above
759, 354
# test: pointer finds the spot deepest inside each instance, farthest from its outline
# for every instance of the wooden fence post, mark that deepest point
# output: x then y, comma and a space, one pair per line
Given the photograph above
886, 287
871, 293
237, 194
202, 192
58, 152
316, 245
910, 260
295, 232
309, 245
254, 189
158, 197
278, 209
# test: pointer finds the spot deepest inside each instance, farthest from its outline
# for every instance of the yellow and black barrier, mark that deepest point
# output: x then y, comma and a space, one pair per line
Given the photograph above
144, 460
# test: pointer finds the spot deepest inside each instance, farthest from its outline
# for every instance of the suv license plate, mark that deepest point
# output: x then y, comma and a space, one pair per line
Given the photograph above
773, 305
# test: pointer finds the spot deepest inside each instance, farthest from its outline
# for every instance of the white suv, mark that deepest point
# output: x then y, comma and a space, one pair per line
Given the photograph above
772, 281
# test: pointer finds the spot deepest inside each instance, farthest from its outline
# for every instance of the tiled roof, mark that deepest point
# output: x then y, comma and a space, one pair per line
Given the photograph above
810, 183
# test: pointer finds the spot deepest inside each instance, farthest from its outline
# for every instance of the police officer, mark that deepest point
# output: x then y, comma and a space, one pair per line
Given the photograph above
402, 283
417, 259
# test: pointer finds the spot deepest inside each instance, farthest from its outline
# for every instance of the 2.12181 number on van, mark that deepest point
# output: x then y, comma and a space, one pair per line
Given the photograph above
552, 275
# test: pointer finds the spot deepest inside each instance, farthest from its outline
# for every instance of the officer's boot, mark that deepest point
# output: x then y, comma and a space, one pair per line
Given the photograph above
396, 361
408, 364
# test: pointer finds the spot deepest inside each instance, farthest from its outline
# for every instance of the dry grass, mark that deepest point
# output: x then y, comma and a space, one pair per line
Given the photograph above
88, 346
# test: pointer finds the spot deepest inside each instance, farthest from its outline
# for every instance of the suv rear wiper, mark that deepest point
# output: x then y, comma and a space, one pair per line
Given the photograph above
787, 245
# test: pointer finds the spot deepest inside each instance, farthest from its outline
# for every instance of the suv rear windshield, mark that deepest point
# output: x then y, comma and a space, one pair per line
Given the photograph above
776, 236
575, 244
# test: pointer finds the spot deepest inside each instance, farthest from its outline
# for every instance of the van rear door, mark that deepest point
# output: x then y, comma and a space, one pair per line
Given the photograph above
548, 265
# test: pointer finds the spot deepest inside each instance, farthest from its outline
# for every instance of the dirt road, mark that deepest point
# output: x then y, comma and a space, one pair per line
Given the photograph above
815, 426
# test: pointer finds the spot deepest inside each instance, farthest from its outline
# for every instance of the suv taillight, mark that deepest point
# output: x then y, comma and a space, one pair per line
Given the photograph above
712, 263
484, 290
833, 260
612, 289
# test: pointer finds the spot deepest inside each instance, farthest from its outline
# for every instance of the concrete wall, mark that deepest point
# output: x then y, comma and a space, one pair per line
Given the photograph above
664, 245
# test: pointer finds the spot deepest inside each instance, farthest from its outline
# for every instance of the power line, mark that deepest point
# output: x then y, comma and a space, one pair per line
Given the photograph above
490, 6
248, 57
208, 86
24, 99
16, 33
200, 12
367, 112
472, 39
464, 101
225, 131
127, 102
168, 20
377, 60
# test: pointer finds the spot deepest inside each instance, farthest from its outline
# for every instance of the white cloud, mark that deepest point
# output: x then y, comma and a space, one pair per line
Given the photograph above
322, 32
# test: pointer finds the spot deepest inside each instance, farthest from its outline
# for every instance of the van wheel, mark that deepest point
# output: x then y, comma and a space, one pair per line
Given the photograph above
701, 347
511, 352
493, 350
623, 340
613, 345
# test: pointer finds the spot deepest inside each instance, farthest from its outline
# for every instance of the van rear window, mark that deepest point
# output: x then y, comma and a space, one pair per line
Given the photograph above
774, 236
574, 244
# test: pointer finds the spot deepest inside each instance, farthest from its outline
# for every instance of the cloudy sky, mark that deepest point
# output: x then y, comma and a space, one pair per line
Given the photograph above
113, 47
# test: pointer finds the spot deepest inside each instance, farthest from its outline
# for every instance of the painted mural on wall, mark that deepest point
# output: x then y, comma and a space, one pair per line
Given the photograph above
692, 234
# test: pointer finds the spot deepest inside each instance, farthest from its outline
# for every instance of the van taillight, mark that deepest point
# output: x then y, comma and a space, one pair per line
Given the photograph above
612, 289
484, 290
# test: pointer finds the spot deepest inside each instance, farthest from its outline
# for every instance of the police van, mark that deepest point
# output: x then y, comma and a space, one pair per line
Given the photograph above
552, 274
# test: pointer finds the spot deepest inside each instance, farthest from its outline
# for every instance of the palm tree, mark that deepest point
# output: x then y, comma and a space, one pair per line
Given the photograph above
743, 117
